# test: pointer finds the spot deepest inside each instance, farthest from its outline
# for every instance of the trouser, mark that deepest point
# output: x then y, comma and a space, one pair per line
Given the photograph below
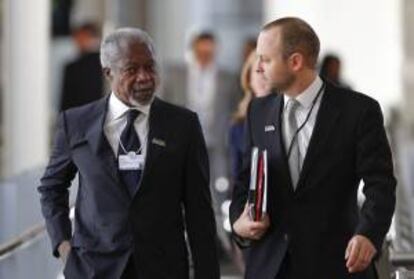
130, 271
284, 268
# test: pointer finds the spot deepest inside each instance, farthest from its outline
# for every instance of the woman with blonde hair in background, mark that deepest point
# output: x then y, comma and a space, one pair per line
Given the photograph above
253, 85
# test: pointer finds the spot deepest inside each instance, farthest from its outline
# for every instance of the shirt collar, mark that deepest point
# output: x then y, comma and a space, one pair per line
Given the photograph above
308, 95
117, 108
195, 68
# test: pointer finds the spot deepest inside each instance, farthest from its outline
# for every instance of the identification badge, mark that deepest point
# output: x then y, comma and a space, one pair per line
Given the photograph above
131, 161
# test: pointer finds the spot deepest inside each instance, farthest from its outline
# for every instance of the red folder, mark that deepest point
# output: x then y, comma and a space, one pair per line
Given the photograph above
258, 184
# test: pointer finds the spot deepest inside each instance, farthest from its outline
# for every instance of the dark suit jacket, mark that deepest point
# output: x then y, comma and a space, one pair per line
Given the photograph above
82, 81
109, 223
314, 223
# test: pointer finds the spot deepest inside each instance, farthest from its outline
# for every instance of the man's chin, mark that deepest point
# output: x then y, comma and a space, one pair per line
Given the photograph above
142, 100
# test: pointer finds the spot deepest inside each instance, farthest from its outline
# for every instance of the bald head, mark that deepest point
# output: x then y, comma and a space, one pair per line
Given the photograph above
296, 35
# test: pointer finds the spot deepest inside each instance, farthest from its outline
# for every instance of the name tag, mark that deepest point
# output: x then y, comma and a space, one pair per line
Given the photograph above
131, 161
269, 128
159, 142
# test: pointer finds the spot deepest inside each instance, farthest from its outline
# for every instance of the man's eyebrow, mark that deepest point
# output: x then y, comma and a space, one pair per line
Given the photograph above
130, 63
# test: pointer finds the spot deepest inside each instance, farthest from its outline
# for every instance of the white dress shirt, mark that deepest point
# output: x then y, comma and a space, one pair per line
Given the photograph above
201, 95
305, 100
116, 120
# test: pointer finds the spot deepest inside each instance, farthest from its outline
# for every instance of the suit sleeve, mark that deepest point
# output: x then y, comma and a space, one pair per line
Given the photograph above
199, 214
53, 189
375, 167
241, 187
235, 153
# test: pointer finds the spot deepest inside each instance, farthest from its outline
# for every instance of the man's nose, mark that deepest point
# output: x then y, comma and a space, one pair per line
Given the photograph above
143, 75
259, 68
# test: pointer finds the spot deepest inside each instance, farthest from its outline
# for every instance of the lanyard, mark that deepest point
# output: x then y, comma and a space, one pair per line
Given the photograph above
136, 152
139, 149
306, 120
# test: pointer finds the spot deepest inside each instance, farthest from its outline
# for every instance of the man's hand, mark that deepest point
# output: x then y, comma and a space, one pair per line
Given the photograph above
359, 253
64, 250
249, 229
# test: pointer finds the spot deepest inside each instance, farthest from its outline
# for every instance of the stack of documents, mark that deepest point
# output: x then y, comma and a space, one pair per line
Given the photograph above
258, 184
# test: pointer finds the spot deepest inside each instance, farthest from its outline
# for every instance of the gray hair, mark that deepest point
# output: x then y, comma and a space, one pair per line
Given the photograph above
115, 43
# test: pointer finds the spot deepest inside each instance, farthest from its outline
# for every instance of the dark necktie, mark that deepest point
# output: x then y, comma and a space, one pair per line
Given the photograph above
130, 142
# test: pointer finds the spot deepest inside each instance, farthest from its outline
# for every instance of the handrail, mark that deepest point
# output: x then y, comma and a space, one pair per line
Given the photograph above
10, 246
403, 259
18, 241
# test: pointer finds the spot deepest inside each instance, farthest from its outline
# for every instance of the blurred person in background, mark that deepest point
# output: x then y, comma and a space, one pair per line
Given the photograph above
331, 69
253, 85
204, 87
248, 47
82, 77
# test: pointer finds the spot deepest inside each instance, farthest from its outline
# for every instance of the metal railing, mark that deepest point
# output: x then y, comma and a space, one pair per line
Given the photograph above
26, 237
400, 259
13, 244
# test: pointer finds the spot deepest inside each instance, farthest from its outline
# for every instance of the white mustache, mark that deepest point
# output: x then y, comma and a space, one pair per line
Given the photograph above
142, 88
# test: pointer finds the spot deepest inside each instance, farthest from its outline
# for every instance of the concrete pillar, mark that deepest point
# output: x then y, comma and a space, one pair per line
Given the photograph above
408, 65
25, 130
88, 10
125, 13
167, 23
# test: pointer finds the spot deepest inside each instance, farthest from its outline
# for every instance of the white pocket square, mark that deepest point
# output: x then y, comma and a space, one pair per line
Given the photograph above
269, 128
159, 142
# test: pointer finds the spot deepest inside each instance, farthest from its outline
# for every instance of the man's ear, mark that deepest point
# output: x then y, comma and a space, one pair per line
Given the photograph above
297, 61
107, 74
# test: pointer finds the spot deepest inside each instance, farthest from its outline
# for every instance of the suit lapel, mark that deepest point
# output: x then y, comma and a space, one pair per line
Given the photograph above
328, 114
156, 142
273, 121
274, 140
98, 141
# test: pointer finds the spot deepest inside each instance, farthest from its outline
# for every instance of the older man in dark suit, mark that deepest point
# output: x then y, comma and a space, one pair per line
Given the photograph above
143, 177
322, 142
